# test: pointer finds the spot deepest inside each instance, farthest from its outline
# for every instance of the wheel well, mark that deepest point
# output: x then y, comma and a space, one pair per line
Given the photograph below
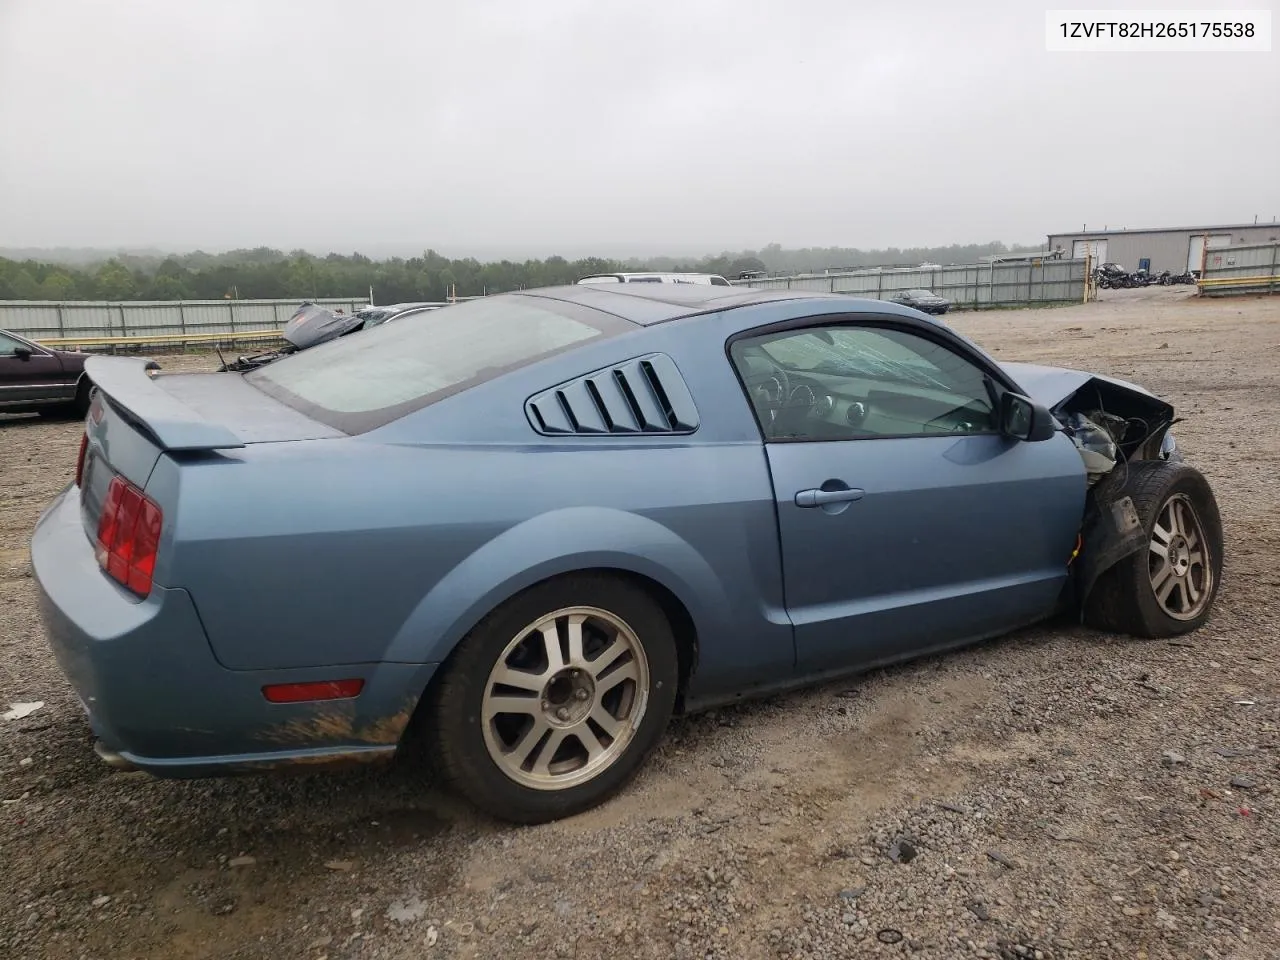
682, 628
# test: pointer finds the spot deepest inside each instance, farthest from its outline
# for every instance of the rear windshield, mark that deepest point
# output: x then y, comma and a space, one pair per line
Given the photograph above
367, 379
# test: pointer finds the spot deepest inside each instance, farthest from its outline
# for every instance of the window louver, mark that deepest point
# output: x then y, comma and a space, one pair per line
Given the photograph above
642, 396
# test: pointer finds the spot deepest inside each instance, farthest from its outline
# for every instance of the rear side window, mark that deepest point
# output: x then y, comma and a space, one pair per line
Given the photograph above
367, 379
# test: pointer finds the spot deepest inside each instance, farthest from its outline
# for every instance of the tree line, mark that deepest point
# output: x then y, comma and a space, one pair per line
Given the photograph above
265, 273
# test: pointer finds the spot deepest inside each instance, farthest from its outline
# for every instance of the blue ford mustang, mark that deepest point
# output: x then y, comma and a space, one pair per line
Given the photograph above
527, 529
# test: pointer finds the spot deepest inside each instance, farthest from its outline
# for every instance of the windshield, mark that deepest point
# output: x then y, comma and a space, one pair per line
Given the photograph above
368, 379
920, 293
875, 355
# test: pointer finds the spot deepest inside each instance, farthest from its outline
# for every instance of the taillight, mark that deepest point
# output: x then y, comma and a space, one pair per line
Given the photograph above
128, 536
84, 445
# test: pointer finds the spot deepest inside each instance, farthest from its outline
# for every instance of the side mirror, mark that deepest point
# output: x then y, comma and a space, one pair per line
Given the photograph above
1023, 419
22, 353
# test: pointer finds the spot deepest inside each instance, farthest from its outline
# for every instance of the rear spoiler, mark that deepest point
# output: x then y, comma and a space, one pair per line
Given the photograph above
171, 423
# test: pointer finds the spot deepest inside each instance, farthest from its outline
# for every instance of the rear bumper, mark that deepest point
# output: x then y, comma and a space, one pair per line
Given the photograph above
157, 698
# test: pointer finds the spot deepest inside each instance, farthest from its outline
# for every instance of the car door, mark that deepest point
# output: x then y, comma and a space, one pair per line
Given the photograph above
907, 521
29, 373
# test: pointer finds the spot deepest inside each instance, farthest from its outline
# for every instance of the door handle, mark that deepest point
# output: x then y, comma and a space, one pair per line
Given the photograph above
817, 498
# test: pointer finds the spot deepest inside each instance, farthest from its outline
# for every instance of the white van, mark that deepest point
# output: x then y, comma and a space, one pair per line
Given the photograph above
714, 279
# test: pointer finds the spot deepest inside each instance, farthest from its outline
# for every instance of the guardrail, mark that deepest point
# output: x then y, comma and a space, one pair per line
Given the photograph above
160, 339
160, 321
177, 319
1218, 283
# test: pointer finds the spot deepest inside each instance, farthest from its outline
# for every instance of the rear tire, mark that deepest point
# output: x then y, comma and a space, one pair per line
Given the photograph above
551, 704
1169, 588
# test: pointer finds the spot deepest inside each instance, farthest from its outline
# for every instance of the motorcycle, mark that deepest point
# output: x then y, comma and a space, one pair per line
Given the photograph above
1112, 276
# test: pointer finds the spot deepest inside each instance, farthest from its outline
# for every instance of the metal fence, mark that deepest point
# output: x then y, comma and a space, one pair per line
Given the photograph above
1241, 269
972, 285
71, 319
1019, 283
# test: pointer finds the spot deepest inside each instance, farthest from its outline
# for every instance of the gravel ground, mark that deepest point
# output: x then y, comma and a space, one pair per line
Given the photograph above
1057, 794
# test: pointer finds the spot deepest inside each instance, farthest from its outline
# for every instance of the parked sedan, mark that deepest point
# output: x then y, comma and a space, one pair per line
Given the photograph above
36, 378
524, 531
924, 300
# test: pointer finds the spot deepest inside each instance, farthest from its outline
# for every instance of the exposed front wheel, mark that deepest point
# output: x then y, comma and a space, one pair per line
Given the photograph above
552, 703
1170, 587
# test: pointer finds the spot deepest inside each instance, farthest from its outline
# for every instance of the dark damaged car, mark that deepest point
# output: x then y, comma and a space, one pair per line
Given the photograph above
524, 531
312, 324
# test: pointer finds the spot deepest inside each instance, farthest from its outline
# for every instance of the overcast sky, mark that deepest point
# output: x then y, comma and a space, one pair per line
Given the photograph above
542, 126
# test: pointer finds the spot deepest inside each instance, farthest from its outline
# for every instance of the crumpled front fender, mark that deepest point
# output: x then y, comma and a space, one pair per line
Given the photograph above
1111, 531
1051, 386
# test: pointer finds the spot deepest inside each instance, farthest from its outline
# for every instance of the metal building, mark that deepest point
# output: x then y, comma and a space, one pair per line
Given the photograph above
1174, 249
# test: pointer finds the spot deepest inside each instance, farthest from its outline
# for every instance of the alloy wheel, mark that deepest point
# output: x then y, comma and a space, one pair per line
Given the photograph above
565, 698
1178, 560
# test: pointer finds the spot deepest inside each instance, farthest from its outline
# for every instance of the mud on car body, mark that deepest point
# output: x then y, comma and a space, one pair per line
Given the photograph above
524, 531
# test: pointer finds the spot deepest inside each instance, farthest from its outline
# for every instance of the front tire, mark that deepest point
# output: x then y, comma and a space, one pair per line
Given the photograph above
1169, 588
554, 701
84, 394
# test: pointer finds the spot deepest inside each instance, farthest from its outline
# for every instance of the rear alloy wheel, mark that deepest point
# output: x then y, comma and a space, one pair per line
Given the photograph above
573, 714
1168, 588
552, 703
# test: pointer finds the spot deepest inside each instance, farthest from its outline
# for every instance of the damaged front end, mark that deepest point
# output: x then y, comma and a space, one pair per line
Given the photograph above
1112, 423
245, 364
310, 325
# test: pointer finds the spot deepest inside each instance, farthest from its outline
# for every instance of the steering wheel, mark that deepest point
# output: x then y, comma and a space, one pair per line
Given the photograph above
770, 388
